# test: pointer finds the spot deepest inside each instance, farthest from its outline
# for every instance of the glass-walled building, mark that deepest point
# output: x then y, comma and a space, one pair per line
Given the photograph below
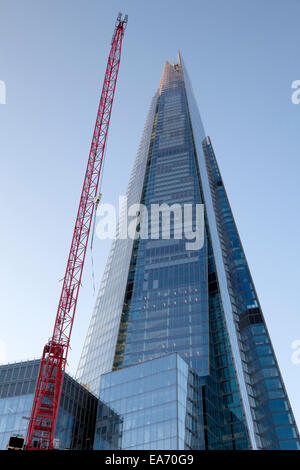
159, 402
77, 411
165, 297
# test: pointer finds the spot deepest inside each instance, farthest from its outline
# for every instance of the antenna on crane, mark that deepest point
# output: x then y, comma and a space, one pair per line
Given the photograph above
45, 406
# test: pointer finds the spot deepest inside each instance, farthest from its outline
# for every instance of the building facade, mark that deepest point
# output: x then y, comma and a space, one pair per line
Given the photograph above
76, 416
168, 297
151, 402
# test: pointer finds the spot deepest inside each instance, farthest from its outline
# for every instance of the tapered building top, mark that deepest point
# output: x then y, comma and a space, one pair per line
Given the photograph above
184, 290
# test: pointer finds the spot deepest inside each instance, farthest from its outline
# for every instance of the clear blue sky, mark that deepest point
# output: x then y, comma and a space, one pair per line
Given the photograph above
242, 57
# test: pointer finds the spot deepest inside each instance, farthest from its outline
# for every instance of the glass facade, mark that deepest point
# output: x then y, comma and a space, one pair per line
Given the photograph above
274, 422
104, 326
166, 301
163, 309
158, 405
77, 411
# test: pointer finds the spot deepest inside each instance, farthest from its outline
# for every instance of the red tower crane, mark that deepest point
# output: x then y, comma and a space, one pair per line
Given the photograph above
44, 411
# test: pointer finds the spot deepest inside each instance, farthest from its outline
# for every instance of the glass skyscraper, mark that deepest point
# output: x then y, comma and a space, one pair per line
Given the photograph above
177, 346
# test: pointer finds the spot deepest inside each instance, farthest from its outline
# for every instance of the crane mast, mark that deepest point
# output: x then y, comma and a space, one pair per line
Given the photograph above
45, 406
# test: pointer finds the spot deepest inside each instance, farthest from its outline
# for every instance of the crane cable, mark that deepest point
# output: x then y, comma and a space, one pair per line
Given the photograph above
96, 203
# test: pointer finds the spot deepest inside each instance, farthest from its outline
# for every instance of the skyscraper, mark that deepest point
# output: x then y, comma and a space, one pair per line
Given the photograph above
177, 345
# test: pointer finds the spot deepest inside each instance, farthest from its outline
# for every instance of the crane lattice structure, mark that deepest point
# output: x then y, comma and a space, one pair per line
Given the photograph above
44, 412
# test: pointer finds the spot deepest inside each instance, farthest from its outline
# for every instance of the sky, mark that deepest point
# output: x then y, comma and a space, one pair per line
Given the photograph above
242, 57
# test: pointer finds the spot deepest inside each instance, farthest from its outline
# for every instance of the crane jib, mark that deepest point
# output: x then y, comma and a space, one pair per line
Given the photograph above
45, 406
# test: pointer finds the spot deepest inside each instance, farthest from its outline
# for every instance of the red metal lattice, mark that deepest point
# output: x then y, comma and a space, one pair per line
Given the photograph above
44, 412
